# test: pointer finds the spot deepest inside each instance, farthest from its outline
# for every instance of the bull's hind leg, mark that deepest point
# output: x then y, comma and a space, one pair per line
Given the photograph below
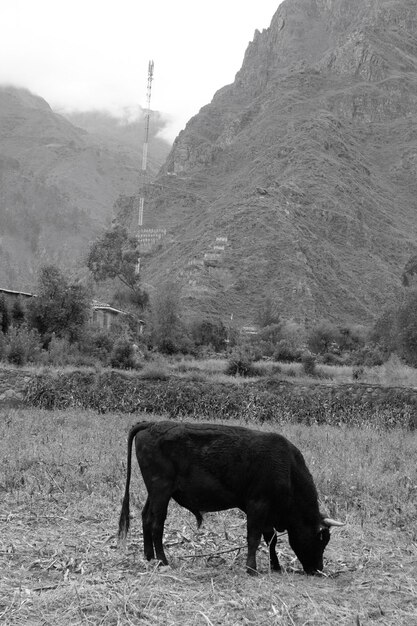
147, 531
159, 507
271, 541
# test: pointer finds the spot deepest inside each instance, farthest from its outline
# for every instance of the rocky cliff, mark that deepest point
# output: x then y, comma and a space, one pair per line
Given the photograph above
299, 180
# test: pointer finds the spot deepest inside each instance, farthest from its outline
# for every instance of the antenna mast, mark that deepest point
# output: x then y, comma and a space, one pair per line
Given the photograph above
145, 154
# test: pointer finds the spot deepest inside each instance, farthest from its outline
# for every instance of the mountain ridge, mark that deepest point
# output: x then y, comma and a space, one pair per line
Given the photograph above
307, 163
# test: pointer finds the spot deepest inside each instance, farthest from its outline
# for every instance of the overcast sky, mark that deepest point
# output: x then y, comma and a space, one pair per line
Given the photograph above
93, 54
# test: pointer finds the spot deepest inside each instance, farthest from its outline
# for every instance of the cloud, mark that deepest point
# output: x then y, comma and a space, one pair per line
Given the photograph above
88, 54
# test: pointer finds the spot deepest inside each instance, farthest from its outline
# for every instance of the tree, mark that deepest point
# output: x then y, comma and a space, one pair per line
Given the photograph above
396, 329
384, 332
268, 338
407, 329
114, 255
18, 312
61, 308
168, 334
4, 315
325, 337
206, 332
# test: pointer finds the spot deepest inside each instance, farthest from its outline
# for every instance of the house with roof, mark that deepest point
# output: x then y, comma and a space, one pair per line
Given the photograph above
11, 296
102, 314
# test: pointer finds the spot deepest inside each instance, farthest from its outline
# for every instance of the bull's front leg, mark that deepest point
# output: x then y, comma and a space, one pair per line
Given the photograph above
270, 537
255, 519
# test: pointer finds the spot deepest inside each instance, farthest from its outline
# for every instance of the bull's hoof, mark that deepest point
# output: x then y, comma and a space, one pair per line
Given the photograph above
251, 571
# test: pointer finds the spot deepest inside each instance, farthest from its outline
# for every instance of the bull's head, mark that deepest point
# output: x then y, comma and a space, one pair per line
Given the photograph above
309, 543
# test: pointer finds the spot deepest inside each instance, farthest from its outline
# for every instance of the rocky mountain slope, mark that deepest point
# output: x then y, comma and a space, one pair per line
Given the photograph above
58, 183
299, 180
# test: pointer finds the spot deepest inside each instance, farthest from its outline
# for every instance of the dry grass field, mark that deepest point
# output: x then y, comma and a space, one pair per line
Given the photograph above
61, 483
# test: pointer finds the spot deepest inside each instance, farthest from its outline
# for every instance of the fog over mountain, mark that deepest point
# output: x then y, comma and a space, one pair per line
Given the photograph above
59, 179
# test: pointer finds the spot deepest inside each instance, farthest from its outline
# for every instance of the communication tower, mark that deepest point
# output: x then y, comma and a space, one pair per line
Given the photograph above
144, 156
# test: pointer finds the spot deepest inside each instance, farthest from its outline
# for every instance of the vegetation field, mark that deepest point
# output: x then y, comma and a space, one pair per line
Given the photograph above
61, 482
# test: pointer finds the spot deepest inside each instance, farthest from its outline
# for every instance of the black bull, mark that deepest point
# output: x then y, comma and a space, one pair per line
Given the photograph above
210, 467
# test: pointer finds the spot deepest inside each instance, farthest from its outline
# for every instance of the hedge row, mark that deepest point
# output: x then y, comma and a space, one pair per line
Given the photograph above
262, 401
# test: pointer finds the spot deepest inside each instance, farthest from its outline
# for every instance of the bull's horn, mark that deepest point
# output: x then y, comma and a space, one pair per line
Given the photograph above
332, 522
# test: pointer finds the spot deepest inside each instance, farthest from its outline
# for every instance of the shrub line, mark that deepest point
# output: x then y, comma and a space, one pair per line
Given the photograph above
260, 401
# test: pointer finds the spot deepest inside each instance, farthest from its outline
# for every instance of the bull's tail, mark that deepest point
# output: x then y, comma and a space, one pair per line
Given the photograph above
124, 519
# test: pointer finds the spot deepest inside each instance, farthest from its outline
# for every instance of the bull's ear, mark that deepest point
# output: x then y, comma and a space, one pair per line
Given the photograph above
327, 522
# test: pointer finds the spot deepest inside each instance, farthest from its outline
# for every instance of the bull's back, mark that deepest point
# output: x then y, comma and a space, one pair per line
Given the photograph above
214, 466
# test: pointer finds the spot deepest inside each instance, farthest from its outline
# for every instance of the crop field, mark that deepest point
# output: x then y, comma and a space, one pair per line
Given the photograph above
62, 477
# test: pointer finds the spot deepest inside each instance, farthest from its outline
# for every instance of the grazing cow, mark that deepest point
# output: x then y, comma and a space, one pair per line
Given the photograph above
210, 467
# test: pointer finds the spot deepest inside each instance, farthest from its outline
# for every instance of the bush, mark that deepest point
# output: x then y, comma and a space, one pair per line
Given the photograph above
23, 345
329, 358
177, 345
323, 338
209, 333
205, 352
61, 352
351, 338
407, 329
3, 346
58, 351
123, 355
295, 334
358, 372
368, 356
309, 364
266, 340
18, 313
241, 362
385, 332
4, 315
286, 352
326, 338
265, 349
98, 344
396, 329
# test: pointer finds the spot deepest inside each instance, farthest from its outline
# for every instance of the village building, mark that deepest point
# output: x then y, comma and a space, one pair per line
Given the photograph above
101, 315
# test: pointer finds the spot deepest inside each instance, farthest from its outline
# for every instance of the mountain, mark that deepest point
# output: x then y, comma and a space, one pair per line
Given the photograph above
58, 183
299, 180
